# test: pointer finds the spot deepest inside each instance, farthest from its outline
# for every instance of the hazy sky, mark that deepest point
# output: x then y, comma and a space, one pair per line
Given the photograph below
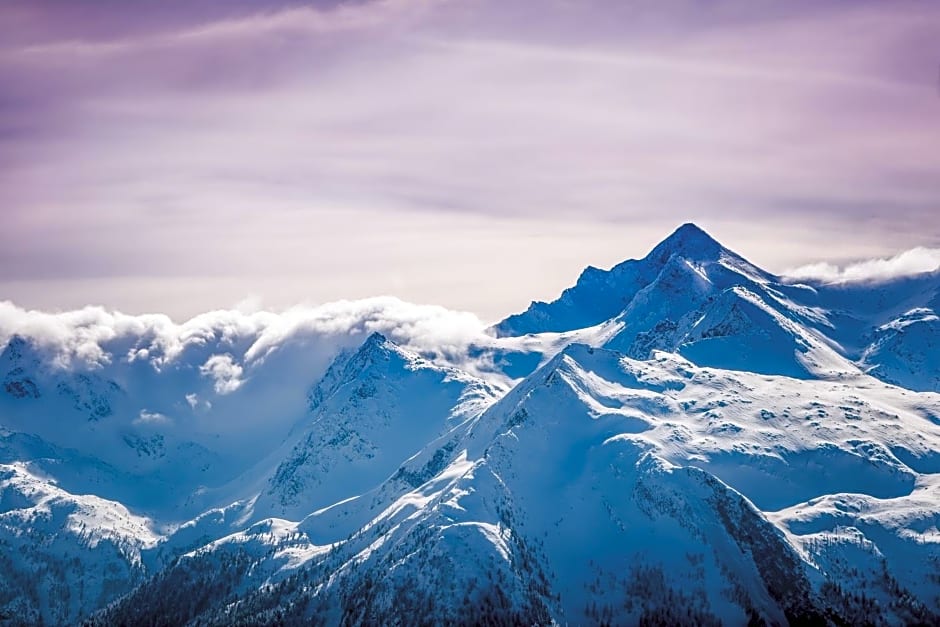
180, 156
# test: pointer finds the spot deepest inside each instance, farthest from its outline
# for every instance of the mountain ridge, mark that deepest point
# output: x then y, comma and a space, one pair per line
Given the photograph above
682, 439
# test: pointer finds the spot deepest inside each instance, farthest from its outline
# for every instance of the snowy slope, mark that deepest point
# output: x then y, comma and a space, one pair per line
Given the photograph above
684, 439
600, 295
113, 440
63, 555
605, 488
906, 351
371, 412
145, 430
890, 548
693, 296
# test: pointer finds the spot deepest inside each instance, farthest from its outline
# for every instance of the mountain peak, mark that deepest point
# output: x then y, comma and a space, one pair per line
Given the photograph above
375, 340
375, 348
689, 241
16, 347
350, 364
600, 295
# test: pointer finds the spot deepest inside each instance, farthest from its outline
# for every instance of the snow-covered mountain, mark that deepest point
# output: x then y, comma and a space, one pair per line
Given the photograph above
693, 296
369, 413
683, 439
64, 555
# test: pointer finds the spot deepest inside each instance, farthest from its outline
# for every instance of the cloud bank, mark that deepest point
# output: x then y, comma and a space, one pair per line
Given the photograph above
225, 384
907, 263
220, 370
226, 345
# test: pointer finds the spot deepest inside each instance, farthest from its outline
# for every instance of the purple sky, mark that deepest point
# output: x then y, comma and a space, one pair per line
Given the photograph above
179, 156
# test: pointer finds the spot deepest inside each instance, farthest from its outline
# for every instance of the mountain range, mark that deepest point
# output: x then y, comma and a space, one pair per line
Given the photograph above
682, 439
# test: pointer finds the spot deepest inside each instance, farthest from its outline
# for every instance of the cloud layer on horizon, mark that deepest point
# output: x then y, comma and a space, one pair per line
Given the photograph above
229, 343
235, 340
217, 372
908, 263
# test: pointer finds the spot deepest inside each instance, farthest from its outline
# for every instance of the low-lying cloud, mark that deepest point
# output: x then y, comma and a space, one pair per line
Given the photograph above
229, 382
224, 371
221, 370
908, 263
224, 346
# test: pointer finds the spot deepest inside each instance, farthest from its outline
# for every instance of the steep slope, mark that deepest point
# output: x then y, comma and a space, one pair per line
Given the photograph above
371, 412
368, 416
90, 435
693, 296
63, 555
809, 438
856, 308
600, 295
906, 351
694, 291
603, 488
740, 330
689, 440
28, 381
888, 548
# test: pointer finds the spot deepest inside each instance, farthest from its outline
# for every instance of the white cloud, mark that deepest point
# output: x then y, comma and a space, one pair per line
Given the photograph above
907, 263
147, 417
226, 345
197, 404
422, 327
224, 371
76, 337
249, 364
